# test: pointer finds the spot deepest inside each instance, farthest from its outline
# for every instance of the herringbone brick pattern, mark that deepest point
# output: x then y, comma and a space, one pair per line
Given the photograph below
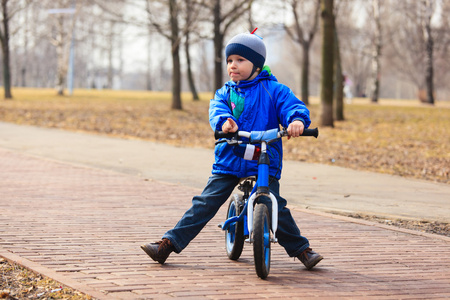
83, 227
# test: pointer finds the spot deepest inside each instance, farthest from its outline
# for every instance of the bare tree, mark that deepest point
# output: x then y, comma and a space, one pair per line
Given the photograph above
338, 79
442, 51
4, 37
175, 42
326, 95
224, 14
190, 76
110, 37
106, 20
306, 19
173, 31
376, 50
25, 62
354, 46
35, 58
427, 11
418, 43
63, 18
7, 12
149, 63
362, 53
189, 15
338, 76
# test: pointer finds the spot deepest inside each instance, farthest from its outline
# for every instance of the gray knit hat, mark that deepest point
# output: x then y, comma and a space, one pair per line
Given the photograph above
249, 46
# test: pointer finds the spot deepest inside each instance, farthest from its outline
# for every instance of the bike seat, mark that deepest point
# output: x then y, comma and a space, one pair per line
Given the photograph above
251, 178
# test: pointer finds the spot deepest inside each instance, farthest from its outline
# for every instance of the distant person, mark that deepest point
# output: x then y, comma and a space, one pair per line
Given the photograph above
252, 100
348, 89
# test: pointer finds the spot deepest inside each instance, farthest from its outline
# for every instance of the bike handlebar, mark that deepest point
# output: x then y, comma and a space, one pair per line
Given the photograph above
220, 134
311, 132
229, 135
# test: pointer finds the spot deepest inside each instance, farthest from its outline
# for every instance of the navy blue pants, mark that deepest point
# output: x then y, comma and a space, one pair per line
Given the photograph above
215, 194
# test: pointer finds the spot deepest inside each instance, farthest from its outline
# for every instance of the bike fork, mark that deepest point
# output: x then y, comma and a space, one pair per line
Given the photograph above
262, 184
274, 216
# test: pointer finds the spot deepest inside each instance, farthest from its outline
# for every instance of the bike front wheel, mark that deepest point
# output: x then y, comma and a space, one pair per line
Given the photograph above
261, 240
234, 235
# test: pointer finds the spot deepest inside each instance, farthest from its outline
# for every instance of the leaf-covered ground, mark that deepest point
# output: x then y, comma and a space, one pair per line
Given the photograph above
396, 137
17, 282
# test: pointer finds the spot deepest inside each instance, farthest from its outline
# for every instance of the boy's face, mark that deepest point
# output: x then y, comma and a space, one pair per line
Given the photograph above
239, 68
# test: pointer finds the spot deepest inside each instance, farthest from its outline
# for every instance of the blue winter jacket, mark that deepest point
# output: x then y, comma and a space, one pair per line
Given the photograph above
268, 104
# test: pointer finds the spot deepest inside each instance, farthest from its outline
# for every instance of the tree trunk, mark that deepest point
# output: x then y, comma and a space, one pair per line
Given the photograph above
23, 70
60, 42
376, 52
429, 48
326, 94
305, 40
176, 75
218, 45
61, 70
338, 80
110, 49
187, 45
429, 70
376, 75
5, 50
149, 63
305, 72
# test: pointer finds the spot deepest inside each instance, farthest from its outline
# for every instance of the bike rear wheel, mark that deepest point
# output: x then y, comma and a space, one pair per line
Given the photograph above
234, 235
261, 240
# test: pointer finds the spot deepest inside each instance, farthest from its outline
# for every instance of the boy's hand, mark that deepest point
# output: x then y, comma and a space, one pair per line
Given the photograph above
229, 126
295, 129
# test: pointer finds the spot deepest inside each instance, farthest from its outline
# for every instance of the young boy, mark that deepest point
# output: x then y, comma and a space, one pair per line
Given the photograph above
252, 100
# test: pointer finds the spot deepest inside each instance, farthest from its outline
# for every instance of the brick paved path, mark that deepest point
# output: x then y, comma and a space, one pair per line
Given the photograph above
83, 227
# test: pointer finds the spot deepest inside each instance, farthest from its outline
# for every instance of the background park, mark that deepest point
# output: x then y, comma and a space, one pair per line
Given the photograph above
373, 73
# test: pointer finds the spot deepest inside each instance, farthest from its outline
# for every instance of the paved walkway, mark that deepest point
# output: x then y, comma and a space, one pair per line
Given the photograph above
83, 226
313, 186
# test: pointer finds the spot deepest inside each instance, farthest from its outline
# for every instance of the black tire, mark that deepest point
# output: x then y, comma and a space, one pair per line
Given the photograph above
261, 240
234, 235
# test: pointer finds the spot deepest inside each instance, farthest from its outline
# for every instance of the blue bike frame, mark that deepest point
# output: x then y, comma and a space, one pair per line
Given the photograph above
261, 187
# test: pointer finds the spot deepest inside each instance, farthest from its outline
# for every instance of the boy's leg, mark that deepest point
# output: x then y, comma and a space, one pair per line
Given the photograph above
203, 209
288, 233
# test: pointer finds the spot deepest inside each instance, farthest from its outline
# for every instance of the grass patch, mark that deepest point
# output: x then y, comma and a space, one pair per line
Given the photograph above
396, 137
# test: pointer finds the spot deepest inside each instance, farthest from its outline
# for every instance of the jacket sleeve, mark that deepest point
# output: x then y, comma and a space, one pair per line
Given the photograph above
219, 110
289, 107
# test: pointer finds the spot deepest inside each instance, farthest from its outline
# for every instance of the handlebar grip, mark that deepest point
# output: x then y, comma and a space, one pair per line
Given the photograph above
220, 134
311, 132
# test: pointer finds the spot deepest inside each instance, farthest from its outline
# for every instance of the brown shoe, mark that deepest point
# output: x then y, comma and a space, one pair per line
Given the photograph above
160, 250
309, 258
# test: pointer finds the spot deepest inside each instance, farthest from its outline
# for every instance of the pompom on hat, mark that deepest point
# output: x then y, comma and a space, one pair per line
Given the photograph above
249, 46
